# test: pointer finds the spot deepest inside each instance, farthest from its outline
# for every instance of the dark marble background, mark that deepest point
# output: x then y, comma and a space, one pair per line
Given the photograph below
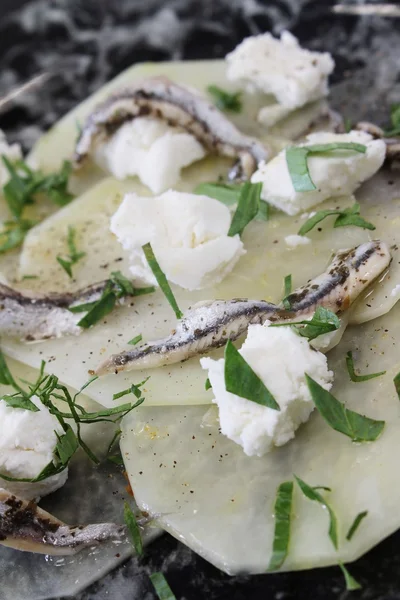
82, 44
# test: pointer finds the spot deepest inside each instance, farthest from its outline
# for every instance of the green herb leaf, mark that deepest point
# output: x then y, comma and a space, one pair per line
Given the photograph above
67, 445
161, 587
355, 426
225, 100
312, 494
207, 385
347, 124
116, 459
161, 279
101, 308
227, 194
247, 208
396, 382
287, 290
282, 512
297, 161
133, 529
135, 340
323, 321
348, 216
353, 375
394, 120
240, 379
74, 255
18, 401
351, 583
355, 525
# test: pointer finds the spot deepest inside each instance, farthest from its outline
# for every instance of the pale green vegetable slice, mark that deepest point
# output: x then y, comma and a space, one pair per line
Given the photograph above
257, 275
220, 502
26, 575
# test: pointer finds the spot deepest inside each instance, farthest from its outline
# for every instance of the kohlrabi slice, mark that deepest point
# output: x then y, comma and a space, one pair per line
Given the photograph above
220, 502
258, 275
36, 576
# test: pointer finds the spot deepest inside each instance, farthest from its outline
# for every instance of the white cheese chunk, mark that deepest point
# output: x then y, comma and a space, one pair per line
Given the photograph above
280, 358
151, 149
335, 174
294, 75
293, 241
13, 152
27, 444
188, 234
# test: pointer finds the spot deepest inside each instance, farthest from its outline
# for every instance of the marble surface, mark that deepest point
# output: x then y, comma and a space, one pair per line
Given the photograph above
82, 44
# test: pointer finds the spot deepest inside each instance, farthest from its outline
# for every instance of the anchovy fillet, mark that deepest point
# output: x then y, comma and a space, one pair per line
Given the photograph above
39, 318
209, 325
161, 98
25, 526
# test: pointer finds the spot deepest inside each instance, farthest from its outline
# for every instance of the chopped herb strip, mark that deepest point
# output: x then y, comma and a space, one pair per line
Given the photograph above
322, 487
351, 583
135, 340
240, 379
14, 234
101, 308
161, 279
348, 216
117, 287
225, 100
263, 211
323, 321
116, 459
355, 426
355, 525
353, 375
161, 587
133, 389
348, 124
18, 401
247, 208
114, 440
207, 385
74, 255
297, 161
287, 290
48, 390
396, 382
312, 494
133, 529
394, 121
282, 512
227, 194
29, 277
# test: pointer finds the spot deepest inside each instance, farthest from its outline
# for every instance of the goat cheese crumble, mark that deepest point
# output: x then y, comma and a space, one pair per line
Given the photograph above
293, 241
337, 174
188, 234
27, 443
294, 75
151, 149
281, 358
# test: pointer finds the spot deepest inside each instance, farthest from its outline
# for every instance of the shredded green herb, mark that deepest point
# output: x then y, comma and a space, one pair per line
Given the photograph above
133, 529
161, 279
312, 494
297, 161
357, 427
351, 583
48, 389
135, 389
207, 385
394, 128
348, 124
225, 100
74, 256
396, 382
282, 512
240, 379
323, 321
352, 373
228, 194
135, 340
161, 587
247, 208
348, 216
355, 525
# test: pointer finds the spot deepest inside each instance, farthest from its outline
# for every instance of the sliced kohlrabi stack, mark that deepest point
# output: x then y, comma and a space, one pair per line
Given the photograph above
220, 502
